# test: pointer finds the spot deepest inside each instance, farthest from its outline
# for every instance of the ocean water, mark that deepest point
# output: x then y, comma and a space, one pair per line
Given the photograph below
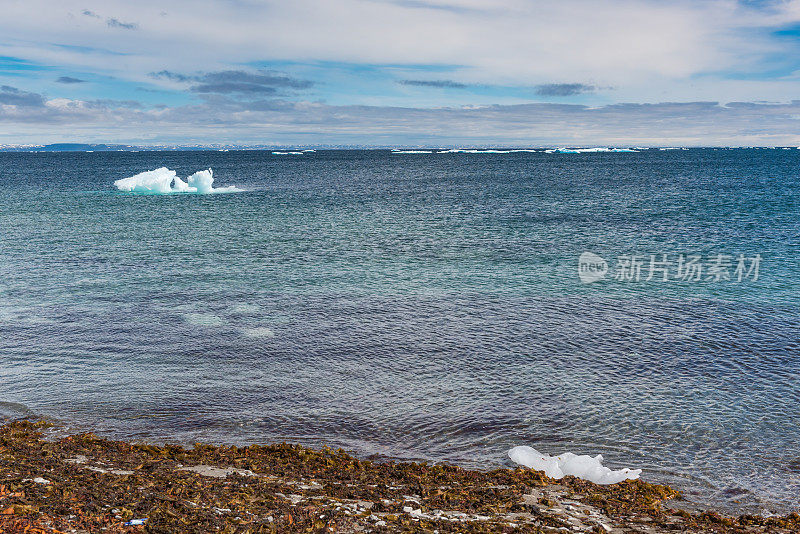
418, 306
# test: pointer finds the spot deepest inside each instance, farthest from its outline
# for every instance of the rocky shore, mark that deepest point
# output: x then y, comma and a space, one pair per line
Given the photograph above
83, 484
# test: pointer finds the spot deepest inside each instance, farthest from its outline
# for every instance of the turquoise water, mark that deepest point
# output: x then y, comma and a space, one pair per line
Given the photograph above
416, 306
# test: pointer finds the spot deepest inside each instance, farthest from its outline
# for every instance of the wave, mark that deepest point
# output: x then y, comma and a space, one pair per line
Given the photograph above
164, 181
395, 151
581, 466
14, 410
290, 153
203, 319
259, 332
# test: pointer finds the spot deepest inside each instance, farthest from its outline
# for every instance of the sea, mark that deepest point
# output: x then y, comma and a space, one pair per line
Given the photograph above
425, 305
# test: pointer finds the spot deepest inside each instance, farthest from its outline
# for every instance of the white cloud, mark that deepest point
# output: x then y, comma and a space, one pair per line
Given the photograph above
647, 51
619, 43
225, 120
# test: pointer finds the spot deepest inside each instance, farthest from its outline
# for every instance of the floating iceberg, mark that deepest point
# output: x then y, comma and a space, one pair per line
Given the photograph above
483, 151
581, 466
595, 149
588, 150
164, 181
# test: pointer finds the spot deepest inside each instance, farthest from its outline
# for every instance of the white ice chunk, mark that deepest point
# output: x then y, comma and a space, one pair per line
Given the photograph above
582, 466
37, 480
182, 187
157, 181
588, 150
165, 181
202, 180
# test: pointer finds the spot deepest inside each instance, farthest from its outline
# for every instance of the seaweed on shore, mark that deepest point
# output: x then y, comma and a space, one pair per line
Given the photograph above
83, 483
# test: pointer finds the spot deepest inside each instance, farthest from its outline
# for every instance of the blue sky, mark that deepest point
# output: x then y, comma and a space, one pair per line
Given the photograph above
400, 72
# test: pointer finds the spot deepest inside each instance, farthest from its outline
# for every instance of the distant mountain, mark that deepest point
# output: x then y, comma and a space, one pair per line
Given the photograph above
64, 147
101, 147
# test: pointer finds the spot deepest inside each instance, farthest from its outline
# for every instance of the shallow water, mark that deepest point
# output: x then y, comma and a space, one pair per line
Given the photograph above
416, 306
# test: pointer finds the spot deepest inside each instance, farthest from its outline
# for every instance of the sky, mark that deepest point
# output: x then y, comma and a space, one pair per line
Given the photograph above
401, 72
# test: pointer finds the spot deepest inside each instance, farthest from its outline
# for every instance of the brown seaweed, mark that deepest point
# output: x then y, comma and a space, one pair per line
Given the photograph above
84, 483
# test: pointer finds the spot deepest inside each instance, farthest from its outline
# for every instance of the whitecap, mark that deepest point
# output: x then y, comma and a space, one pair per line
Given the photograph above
259, 332
14, 410
203, 319
244, 308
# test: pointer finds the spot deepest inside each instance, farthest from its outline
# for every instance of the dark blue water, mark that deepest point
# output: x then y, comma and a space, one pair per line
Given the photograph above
417, 306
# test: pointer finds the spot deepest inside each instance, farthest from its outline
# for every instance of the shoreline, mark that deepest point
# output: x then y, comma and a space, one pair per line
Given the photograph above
83, 483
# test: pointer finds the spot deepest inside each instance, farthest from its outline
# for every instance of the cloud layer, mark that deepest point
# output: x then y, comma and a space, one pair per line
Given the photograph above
439, 84
563, 89
402, 69
236, 82
638, 43
11, 97
264, 121
69, 80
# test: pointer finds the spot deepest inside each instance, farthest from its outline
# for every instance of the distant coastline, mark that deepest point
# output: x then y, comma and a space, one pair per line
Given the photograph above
105, 147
